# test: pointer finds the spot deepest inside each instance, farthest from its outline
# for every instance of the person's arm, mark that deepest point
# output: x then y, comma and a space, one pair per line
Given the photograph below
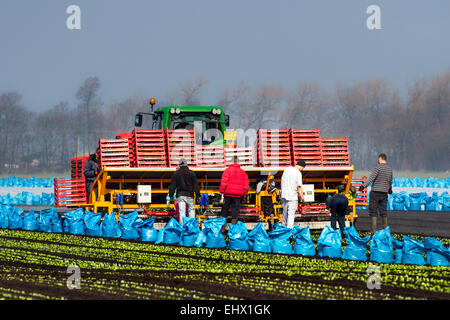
89, 170
224, 181
195, 185
246, 184
372, 176
300, 186
172, 185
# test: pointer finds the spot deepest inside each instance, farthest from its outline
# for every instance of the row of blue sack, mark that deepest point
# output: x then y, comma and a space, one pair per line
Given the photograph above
28, 198
383, 247
419, 201
33, 182
417, 182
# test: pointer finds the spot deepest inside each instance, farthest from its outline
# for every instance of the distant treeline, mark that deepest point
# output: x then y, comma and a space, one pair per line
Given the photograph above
412, 130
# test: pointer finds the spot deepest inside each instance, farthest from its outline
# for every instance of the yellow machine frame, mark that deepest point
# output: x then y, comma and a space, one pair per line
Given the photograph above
325, 180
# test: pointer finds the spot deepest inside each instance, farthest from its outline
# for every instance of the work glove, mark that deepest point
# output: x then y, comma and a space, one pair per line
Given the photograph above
172, 200
361, 188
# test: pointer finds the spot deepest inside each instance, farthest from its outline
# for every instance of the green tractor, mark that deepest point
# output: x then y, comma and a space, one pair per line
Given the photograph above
209, 122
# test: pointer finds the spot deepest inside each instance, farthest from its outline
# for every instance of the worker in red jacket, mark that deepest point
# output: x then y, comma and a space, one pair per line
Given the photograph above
233, 186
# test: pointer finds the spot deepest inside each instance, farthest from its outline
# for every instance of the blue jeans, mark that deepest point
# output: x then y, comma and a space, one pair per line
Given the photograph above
186, 204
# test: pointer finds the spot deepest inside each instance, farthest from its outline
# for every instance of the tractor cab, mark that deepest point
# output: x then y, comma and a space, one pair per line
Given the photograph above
209, 122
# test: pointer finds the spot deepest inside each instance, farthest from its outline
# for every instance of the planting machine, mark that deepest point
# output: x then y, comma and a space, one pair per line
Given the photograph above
135, 168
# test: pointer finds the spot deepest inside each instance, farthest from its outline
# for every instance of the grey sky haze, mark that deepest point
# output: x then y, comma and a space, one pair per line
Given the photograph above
149, 47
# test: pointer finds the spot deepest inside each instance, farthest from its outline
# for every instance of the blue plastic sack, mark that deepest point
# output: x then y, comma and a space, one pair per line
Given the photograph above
259, 240
279, 238
398, 245
190, 231
412, 251
430, 203
381, 246
416, 200
30, 221
56, 222
148, 232
329, 243
92, 224
170, 234
128, 225
357, 246
437, 253
4, 221
74, 222
45, 220
36, 199
110, 227
238, 237
46, 199
303, 243
214, 238
444, 201
14, 217
398, 201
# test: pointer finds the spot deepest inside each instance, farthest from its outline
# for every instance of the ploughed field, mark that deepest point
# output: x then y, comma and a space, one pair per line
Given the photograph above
34, 265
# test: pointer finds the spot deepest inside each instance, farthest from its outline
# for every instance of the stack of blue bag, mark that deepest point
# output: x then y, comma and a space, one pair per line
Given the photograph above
33, 182
417, 182
420, 201
28, 198
383, 247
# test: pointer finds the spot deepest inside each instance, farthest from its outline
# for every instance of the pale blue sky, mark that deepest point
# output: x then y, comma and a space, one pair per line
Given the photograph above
148, 47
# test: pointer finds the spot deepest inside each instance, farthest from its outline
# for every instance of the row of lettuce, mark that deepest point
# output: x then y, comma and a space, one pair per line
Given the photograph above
383, 247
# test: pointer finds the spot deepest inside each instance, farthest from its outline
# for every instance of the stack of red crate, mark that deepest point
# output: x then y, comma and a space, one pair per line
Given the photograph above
335, 152
114, 153
306, 145
274, 147
77, 167
149, 148
131, 152
210, 156
180, 144
245, 156
361, 196
69, 191
313, 209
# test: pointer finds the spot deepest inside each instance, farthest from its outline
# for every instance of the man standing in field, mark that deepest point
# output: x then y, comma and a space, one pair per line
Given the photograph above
233, 185
184, 181
291, 192
338, 205
381, 177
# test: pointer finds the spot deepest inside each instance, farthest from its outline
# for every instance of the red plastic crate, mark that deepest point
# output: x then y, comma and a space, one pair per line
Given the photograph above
114, 153
180, 144
273, 147
361, 196
306, 145
149, 148
335, 152
69, 191
210, 156
77, 167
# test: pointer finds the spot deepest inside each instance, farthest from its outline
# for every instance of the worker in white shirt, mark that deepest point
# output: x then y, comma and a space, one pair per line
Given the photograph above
291, 192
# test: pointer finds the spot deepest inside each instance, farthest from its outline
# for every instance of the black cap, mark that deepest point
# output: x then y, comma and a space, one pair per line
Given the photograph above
301, 163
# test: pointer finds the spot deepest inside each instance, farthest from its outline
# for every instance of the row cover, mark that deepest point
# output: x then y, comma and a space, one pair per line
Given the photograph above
32, 182
280, 240
28, 198
417, 182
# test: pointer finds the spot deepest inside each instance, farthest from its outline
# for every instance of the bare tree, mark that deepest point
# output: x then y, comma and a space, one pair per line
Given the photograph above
89, 108
188, 93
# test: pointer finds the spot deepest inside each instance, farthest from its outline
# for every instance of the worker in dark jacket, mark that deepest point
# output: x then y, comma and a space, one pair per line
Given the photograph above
233, 185
338, 205
90, 172
184, 181
381, 177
